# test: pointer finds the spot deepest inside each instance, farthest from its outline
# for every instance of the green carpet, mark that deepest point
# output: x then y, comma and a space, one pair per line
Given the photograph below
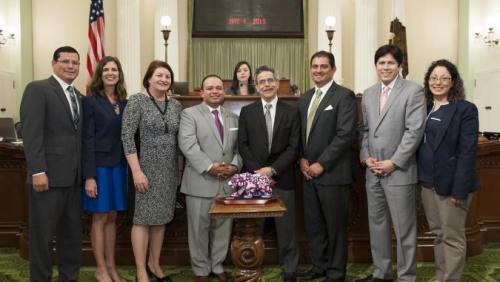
483, 268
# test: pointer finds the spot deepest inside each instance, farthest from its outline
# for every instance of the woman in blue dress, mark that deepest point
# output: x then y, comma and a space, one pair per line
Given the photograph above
104, 166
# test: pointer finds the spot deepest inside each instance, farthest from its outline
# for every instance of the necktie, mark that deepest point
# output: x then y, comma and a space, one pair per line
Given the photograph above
269, 125
74, 105
218, 125
312, 112
384, 96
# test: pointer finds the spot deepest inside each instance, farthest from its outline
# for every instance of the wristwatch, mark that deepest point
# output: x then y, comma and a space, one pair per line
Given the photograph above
274, 171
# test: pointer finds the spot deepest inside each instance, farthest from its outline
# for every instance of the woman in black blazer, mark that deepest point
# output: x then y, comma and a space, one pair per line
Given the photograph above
242, 80
446, 168
104, 166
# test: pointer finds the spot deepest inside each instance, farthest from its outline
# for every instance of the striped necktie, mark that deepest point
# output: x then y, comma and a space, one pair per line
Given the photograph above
269, 125
74, 105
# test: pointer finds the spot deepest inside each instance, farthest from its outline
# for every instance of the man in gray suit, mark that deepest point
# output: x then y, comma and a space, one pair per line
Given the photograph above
393, 124
51, 121
208, 139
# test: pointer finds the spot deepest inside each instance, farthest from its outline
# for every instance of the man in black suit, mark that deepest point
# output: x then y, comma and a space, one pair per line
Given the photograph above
51, 118
273, 154
328, 124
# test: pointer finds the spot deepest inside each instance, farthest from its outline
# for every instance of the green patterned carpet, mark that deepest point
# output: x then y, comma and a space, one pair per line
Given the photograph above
485, 267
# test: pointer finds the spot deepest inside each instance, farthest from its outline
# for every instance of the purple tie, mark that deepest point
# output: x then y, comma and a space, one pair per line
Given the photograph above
218, 124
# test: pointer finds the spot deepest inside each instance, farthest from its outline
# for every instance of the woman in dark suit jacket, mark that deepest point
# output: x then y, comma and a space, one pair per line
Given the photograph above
242, 80
446, 166
104, 165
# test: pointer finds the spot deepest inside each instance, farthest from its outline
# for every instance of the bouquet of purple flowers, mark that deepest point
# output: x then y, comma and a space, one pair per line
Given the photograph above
249, 186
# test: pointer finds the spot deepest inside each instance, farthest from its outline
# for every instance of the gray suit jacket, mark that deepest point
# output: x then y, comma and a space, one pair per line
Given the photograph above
395, 133
200, 143
51, 142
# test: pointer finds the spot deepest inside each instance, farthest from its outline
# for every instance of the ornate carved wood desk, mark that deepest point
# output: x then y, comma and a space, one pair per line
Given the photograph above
247, 246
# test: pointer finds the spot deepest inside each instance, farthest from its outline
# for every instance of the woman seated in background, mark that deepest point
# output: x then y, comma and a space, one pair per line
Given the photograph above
242, 80
155, 170
104, 167
446, 168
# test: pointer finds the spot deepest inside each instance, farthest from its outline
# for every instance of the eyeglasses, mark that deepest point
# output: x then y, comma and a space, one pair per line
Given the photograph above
263, 81
434, 79
68, 62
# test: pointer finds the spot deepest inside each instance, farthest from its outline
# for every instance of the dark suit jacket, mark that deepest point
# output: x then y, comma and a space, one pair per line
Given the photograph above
455, 151
332, 134
51, 142
102, 144
253, 141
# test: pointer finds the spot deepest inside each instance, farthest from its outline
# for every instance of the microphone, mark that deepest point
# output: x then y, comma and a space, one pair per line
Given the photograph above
241, 84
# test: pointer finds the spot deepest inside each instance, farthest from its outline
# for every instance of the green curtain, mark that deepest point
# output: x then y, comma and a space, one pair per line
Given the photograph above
307, 80
288, 56
220, 55
190, 44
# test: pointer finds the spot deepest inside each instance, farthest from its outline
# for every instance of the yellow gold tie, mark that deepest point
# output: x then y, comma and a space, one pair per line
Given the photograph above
312, 112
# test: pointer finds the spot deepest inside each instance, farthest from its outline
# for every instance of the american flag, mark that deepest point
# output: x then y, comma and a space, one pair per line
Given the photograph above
96, 35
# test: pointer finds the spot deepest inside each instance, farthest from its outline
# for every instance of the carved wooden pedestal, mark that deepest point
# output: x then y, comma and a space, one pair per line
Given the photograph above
247, 250
247, 247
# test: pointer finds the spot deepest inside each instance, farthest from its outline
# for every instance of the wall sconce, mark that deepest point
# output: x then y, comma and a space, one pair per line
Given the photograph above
166, 21
3, 38
330, 23
488, 38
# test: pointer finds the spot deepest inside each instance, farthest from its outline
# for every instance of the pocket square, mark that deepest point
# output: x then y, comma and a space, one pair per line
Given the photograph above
329, 108
233, 129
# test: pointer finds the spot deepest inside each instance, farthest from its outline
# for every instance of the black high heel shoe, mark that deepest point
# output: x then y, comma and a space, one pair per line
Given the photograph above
158, 279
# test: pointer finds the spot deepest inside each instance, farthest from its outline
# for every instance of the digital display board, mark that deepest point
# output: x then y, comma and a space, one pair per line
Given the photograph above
249, 18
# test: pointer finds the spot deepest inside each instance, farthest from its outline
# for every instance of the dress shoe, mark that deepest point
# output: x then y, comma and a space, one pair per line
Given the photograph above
224, 277
158, 279
309, 275
289, 277
333, 280
373, 279
201, 278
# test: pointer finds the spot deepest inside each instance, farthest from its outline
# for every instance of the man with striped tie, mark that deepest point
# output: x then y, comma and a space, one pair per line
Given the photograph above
273, 155
51, 120
328, 124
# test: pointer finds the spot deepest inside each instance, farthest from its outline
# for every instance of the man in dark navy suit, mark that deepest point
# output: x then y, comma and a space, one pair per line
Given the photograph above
273, 154
328, 125
51, 118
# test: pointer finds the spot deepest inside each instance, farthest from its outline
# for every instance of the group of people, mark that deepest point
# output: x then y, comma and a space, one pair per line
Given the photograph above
412, 139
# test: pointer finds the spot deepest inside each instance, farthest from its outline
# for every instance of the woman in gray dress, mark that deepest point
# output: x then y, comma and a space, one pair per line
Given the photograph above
155, 170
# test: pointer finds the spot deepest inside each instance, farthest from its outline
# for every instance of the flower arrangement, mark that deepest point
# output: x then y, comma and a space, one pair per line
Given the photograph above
249, 186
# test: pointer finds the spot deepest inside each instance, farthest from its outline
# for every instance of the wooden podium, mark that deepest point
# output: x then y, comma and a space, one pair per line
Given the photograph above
247, 247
